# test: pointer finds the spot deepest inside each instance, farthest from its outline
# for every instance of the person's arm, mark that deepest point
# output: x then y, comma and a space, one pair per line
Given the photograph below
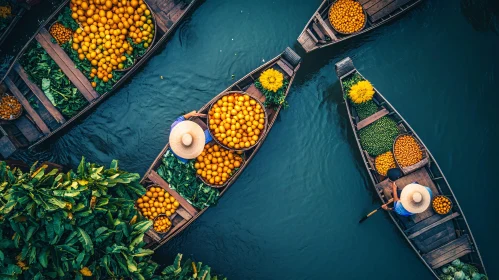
194, 114
394, 192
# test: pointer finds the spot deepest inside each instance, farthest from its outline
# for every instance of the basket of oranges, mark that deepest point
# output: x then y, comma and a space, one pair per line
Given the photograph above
162, 224
441, 204
156, 201
347, 17
216, 165
237, 121
10, 108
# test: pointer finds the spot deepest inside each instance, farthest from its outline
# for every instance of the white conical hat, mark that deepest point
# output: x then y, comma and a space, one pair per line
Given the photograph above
187, 139
415, 198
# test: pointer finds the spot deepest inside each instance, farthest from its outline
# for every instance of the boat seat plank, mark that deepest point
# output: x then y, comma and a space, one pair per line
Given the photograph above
39, 94
28, 129
369, 4
318, 31
285, 67
387, 9
25, 103
374, 117
436, 240
67, 65
7, 148
255, 93
329, 32
153, 235
362, 2
432, 225
306, 41
312, 36
155, 178
184, 214
448, 252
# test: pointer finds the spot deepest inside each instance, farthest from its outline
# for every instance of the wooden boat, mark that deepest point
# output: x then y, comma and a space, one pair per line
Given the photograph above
39, 124
319, 33
287, 63
18, 11
436, 239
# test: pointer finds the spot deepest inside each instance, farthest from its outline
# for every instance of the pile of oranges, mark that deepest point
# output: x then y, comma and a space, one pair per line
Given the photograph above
162, 224
9, 107
106, 26
407, 151
216, 164
61, 33
441, 205
237, 120
347, 16
155, 202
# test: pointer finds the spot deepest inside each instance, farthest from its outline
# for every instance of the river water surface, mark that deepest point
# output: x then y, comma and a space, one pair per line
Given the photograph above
293, 213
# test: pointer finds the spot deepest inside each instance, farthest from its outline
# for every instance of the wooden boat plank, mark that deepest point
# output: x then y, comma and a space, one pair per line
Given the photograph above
448, 247
174, 15
27, 128
67, 66
184, 214
318, 31
329, 32
306, 41
158, 15
153, 235
374, 117
312, 36
255, 93
25, 103
39, 94
430, 226
388, 9
449, 252
285, 67
7, 148
368, 4
154, 177
437, 240
362, 2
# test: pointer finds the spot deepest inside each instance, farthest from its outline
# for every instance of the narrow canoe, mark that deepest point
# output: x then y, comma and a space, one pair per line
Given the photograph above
37, 124
319, 33
436, 239
287, 63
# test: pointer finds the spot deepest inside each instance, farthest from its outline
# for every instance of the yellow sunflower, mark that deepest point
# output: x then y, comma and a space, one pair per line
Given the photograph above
361, 92
271, 80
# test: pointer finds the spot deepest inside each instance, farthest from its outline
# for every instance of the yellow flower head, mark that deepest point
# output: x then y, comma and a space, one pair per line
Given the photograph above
271, 79
361, 92
86, 272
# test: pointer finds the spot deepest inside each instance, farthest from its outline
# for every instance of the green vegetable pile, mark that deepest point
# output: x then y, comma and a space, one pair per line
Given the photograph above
189, 270
458, 270
366, 109
347, 84
182, 178
46, 74
378, 137
274, 99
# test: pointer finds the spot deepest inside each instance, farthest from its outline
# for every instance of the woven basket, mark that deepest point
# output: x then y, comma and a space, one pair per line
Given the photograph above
451, 205
157, 232
234, 173
329, 18
13, 117
263, 131
408, 169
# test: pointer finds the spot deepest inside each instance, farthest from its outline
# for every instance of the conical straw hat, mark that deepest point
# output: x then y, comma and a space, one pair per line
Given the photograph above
415, 198
187, 139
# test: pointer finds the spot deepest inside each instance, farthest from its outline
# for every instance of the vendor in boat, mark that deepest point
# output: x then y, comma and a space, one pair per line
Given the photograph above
187, 138
413, 199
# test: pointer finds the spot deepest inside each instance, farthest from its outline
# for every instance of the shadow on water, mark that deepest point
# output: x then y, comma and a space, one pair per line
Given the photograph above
481, 14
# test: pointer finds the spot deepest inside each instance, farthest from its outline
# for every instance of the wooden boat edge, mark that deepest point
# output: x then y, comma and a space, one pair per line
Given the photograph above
461, 212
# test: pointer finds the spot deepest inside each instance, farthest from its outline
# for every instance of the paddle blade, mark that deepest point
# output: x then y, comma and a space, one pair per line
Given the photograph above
368, 215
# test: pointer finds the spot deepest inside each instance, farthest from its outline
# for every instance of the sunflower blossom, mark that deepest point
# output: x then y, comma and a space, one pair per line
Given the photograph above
361, 92
271, 80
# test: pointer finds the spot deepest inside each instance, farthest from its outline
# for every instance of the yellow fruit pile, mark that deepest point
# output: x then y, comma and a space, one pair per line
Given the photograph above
384, 162
216, 164
157, 201
60, 33
441, 205
407, 151
9, 107
107, 24
347, 16
162, 224
237, 120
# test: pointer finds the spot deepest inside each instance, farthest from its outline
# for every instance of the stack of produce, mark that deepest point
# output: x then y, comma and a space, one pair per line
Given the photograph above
157, 202
60, 33
216, 164
182, 178
5, 14
273, 86
237, 120
347, 16
441, 204
10, 108
162, 224
188, 270
377, 138
384, 162
407, 151
458, 270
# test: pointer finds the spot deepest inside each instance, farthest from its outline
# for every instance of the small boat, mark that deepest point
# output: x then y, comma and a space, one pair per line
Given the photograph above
319, 32
288, 64
437, 239
44, 120
17, 12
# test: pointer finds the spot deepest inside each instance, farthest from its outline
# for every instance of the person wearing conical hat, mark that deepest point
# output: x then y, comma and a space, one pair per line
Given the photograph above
187, 138
413, 199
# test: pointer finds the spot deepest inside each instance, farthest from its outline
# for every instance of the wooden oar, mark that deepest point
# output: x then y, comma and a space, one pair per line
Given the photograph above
372, 212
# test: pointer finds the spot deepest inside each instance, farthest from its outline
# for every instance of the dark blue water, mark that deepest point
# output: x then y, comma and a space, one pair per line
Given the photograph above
293, 213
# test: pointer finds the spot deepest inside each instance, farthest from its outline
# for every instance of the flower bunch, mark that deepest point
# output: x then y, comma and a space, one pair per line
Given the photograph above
361, 92
271, 80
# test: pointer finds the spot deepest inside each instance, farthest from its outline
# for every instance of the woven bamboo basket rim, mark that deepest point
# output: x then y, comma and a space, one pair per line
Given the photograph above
330, 23
451, 204
421, 148
234, 173
16, 116
262, 132
154, 220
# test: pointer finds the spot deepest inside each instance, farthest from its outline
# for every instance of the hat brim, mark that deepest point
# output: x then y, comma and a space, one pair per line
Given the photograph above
198, 139
408, 202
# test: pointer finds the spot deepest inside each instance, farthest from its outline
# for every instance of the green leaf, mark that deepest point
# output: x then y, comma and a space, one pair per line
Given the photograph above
86, 241
141, 227
43, 257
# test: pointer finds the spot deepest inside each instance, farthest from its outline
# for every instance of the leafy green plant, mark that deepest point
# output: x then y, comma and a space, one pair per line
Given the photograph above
65, 19
187, 270
46, 74
274, 99
366, 109
182, 178
462, 271
378, 137
347, 84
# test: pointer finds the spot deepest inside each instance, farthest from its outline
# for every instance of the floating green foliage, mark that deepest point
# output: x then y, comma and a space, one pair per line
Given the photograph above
182, 178
188, 270
378, 137
274, 99
365, 109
